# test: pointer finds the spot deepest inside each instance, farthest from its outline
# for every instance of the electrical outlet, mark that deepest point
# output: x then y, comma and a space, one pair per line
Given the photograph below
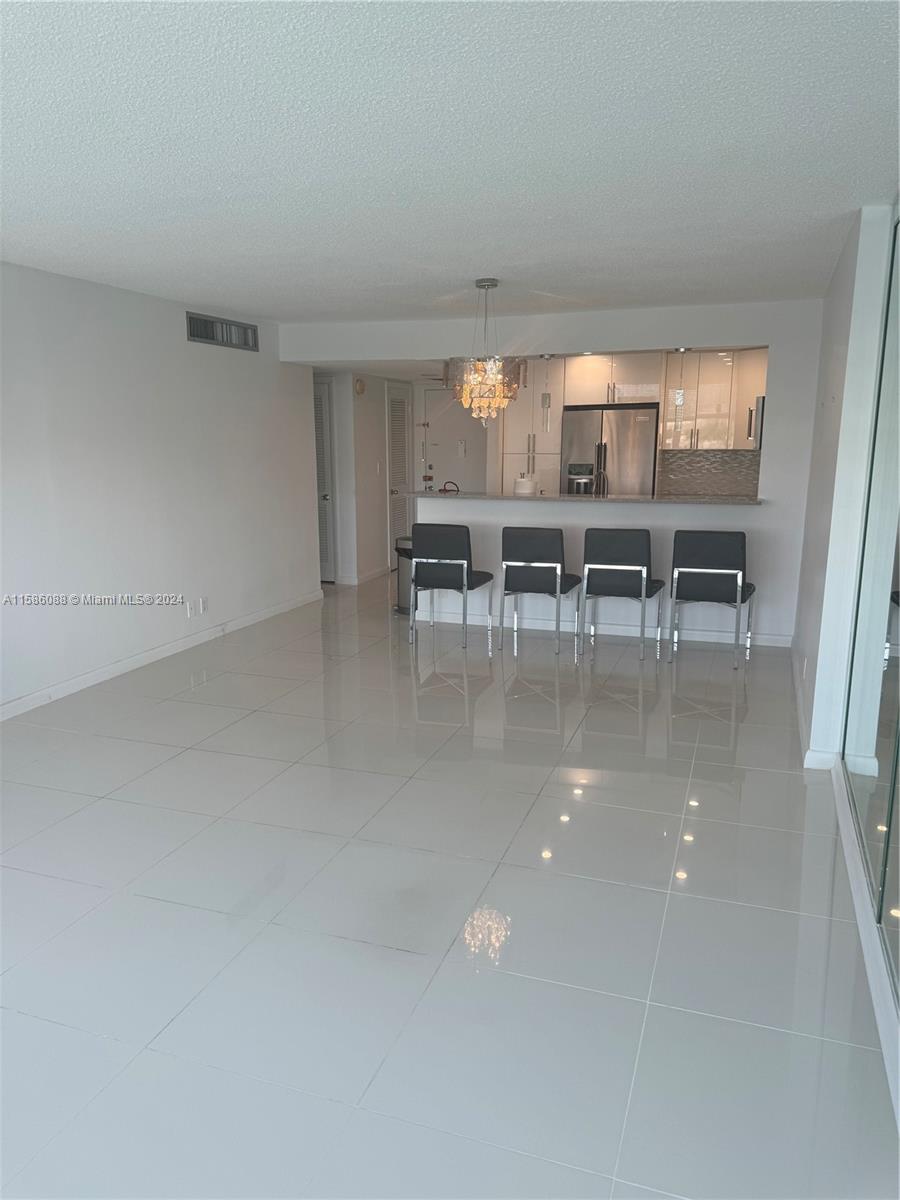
204, 604
190, 609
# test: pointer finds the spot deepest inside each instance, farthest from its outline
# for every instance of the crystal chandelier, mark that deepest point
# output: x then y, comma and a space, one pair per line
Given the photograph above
484, 383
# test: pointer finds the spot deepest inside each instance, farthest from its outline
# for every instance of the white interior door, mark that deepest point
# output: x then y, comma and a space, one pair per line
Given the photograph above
399, 402
324, 480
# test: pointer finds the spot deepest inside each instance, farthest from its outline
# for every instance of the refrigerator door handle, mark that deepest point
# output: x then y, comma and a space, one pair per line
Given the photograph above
749, 424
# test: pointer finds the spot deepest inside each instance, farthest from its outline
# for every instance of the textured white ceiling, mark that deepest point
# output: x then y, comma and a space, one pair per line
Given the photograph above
345, 160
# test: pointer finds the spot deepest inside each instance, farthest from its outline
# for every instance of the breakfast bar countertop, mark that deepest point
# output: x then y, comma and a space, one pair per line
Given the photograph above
436, 495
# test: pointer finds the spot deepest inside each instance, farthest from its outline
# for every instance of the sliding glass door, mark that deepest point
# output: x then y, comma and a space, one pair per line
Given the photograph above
871, 726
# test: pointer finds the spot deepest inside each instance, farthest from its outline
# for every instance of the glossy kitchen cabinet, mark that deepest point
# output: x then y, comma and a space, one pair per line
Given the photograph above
679, 417
710, 399
532, 427
627, 378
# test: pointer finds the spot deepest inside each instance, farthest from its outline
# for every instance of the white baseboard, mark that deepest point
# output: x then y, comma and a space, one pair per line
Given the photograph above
820, 760
802, 714
376, 574
877, 971
862, 764
56, 691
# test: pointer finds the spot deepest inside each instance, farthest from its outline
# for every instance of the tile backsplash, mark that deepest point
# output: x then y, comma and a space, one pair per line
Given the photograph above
708, 473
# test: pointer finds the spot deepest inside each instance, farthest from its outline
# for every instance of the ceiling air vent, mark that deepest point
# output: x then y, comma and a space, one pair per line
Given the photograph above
216, 331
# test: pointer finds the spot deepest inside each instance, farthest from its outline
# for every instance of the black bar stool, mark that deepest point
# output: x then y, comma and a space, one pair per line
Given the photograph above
442, 559
710, 567
617, 563
534, 563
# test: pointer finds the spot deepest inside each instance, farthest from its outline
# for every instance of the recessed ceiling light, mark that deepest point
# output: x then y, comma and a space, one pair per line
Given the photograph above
688, 837
565, 818
681, 874
546, 854
694, 803
881, 828
682, 349
895, 912
577, 791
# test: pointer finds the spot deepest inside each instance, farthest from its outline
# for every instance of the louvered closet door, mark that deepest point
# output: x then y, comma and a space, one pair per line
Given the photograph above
399, 399
324, 480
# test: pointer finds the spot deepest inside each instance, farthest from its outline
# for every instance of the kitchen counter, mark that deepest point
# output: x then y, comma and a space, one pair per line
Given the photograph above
593, 499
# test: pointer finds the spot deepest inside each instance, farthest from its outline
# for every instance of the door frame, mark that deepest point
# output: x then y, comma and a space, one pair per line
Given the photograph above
410, 395
328, 430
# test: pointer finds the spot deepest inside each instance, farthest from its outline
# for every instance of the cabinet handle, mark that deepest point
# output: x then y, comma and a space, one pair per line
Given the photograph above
749, 424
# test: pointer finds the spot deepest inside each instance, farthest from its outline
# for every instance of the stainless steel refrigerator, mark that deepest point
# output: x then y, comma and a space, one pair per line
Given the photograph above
609, 450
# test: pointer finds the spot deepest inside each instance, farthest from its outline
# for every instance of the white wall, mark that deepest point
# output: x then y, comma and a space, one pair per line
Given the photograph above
848, 373
448, 423
370, 453
134, 460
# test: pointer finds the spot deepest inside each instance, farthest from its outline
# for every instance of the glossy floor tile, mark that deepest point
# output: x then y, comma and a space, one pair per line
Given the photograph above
303, 911
566, 929
175, 723
201, 781
48, 1073
167, 1128
239, 868
622, 845
384, 1159
770, 867
34, 908
322, 799
724, 1109
477, 821
389, 750
389, 895
107, 843
272, 735
26, 810
469, 1061
315, 1012
464, 760
236, 690
126, 968
763, 965
93, 765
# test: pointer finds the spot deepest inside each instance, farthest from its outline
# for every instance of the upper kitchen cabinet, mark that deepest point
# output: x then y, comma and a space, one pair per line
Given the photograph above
679, 416
711, 400
588, 379
629, 377
750, 370
712, 430
637, 377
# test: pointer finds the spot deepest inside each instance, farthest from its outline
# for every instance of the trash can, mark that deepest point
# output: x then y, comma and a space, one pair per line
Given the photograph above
403, 547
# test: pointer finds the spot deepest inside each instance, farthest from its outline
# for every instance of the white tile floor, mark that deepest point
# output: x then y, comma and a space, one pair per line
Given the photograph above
298, 913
